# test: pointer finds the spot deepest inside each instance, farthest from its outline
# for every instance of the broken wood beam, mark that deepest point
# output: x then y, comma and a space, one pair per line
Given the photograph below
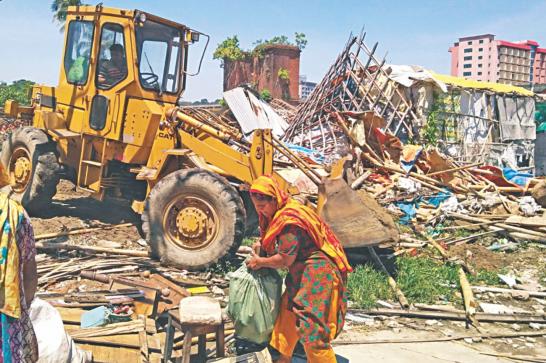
392, 283
523, 358
361, 179
459, 315
143, 340
468, 299
429, 182
440, 339
93, 249
80, 231
502, 189
499, 226
133, 326
501, 290
454, 169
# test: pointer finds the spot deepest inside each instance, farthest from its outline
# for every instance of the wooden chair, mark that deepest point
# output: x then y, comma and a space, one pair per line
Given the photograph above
196, 316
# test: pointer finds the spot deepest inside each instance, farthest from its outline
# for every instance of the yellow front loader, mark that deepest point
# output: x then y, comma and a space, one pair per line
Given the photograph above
112, 126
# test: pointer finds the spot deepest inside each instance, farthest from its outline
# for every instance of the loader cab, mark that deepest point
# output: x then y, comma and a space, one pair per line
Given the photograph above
120, 71
112, 56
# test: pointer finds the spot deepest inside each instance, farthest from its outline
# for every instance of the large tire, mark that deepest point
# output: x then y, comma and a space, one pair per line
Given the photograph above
193, 218
30, 158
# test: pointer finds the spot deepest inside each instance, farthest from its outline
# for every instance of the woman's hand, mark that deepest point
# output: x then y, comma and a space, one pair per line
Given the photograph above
256, 247
254, 262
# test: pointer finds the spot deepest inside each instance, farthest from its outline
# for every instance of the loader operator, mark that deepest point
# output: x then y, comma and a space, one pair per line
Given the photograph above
113, 70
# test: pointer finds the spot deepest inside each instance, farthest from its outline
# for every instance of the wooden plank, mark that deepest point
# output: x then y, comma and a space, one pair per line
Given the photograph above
122, 340
111, 354
527, 221
143, 338
133, 326
459, 315
80, 231
72, 316
439, 339
102, 354
93, 249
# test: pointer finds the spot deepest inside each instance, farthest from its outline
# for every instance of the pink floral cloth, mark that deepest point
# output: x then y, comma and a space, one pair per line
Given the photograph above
19, 332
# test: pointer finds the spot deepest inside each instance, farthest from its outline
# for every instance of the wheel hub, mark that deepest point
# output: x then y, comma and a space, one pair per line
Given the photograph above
20, 169
191, 222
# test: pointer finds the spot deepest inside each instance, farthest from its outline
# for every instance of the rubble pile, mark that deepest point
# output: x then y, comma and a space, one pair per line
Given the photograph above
356, 82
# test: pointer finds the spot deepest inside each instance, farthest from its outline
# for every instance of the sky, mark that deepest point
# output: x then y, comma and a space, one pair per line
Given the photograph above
416, 32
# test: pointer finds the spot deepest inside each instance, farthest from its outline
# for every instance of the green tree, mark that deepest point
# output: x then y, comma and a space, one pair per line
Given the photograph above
229, 49
301, 41
18, 91
60, 8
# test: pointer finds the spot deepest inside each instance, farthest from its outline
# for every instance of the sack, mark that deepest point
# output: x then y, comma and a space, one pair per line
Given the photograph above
54, 343
254, 299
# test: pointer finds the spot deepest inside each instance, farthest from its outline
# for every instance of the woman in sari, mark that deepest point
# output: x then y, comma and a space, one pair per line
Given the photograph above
314, 303
18, 281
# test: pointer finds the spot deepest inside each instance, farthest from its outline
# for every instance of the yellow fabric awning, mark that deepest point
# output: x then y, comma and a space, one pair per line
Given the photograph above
470, 83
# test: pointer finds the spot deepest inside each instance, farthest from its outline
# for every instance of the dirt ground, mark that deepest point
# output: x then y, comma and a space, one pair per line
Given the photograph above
73, 209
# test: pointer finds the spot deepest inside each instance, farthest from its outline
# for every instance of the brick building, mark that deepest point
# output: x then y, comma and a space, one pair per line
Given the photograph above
277, 70
483, 58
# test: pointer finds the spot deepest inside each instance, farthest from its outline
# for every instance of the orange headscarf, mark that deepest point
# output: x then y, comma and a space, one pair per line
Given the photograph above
292, 212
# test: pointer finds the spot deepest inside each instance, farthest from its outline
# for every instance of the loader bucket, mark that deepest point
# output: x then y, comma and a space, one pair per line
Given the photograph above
354, 216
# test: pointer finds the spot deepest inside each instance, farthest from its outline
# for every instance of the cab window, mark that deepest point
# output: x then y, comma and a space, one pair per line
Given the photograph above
112, 65
159, 56
78, 51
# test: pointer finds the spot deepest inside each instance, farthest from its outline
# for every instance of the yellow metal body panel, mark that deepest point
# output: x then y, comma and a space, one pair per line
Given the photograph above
141, 122
11, 108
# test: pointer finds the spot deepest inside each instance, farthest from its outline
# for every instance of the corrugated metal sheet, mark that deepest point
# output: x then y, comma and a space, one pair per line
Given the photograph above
252, 113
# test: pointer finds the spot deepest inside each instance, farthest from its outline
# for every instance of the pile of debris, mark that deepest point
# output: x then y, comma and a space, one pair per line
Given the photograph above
8, 124
105, 302
356, 82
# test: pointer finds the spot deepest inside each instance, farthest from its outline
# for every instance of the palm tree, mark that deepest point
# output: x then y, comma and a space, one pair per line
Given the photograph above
59, 9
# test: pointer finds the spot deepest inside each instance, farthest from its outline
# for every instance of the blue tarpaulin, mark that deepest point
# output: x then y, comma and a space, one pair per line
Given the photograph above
312, 154
517, 177
409, 207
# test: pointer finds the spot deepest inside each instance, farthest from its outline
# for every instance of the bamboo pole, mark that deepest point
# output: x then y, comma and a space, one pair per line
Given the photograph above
80, 231
441, 339
94, 249
470, 304
498, 226
392, 283
454, 169
459, 315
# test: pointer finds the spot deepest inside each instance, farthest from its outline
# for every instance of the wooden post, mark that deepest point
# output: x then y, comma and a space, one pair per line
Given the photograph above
392, 283
468, 298
143, 339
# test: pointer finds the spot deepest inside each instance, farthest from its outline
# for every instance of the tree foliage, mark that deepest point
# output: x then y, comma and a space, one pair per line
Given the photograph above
301, 41
60, 8
230, 48
18, 91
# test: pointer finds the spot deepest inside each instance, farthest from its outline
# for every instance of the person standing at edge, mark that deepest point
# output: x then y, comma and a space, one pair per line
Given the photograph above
18, 281
314, 304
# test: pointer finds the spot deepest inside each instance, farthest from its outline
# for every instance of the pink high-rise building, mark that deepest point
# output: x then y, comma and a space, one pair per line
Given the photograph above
483, 58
